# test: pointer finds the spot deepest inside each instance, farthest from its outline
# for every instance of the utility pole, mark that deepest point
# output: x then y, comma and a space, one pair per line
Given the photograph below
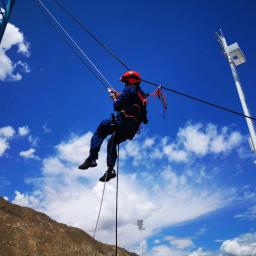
236, 57
141, 228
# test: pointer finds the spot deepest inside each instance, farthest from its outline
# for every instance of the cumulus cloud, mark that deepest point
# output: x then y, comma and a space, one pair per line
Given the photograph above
192, 141
180, 243
161, 198
25, 200
9, 70
200, 252
175, 154
23, 131
4, 145
244, 245
201, 140
29, 154
6, 133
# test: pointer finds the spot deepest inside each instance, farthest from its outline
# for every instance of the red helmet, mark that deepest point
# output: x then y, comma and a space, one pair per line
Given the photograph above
131, 77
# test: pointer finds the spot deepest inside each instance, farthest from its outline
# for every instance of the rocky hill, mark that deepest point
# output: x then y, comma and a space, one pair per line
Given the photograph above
25, 232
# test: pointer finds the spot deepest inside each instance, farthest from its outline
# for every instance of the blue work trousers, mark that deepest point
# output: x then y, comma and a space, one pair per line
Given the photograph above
124, 129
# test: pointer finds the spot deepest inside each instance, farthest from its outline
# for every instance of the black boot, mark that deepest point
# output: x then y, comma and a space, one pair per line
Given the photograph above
108, 175
87, 164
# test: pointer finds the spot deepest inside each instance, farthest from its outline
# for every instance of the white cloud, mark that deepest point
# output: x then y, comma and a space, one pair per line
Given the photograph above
161, 200
7, 132
250, 214
25, 200
23, 131
13, 37
33, 140
180, 243
201, 140
193, 140
175, 154
199, 252
244, 245
164, 250
29, 154
149, 142
4, 145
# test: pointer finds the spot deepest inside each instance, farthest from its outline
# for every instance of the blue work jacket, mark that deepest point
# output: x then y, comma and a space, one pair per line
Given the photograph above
129, 98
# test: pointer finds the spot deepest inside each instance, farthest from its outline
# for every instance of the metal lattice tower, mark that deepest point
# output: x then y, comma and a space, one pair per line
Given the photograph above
6, 7
236, 57
141, 228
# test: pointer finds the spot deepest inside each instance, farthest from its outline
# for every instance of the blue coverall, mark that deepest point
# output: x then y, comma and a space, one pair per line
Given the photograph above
125, 128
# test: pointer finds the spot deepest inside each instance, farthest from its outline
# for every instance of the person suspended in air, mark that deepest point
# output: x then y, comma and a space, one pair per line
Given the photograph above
131, 108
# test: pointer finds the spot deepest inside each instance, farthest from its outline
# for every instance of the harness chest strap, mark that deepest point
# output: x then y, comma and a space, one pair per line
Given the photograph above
124, 113
144, 101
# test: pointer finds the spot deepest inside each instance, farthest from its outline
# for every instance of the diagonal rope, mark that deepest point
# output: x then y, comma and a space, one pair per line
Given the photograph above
82, 26
201, 100
84, 58
98, 217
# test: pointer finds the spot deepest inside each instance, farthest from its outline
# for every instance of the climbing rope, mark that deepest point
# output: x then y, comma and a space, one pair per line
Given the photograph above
73, 44
82, 26
117, 183
104, 188
98, 217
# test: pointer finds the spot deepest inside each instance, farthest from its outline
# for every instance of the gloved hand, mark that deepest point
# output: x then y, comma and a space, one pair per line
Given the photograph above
113, 94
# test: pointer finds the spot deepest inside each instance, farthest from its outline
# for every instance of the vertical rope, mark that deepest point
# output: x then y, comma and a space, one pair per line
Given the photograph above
117, 181
103, 193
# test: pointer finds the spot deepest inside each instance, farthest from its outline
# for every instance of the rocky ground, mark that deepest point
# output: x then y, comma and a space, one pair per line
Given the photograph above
25, 232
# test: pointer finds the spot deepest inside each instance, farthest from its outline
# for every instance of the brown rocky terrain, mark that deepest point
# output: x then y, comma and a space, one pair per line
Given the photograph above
26, 232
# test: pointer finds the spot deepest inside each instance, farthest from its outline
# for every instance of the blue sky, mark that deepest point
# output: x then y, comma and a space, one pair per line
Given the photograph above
191, 176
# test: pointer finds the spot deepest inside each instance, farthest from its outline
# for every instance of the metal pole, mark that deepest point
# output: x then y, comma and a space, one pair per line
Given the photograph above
241, 94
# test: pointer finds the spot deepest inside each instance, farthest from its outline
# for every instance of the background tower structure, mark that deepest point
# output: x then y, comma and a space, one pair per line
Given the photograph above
141, 228
6, 7
236, 57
